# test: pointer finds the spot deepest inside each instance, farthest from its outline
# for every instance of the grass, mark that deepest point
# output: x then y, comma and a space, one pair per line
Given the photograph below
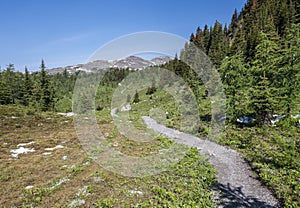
274, 154
69, 182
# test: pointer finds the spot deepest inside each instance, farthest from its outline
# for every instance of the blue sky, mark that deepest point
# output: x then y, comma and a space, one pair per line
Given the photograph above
66, 32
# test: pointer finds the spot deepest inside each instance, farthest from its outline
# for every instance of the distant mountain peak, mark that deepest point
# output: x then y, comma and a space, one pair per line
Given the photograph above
130, 62
160, 60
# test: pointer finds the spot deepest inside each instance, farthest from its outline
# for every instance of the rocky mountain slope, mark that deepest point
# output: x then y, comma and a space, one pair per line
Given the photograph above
131, 62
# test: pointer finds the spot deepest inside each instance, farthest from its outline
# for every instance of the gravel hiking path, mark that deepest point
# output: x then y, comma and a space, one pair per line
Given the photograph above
237, 185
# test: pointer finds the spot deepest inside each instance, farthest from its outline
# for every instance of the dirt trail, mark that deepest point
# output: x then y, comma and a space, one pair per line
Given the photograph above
237, 185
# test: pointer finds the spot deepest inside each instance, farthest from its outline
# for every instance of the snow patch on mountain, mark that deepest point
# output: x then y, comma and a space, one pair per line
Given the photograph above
131, 62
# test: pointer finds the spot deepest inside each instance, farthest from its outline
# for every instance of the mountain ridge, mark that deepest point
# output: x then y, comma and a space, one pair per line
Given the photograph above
130, 62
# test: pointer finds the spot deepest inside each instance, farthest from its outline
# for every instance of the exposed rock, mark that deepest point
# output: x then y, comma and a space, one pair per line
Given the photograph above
131, 62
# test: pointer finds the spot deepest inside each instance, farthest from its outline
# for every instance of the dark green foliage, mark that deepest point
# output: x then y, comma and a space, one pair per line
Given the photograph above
213, 42
262, 101
234, 78
242, 33
219, 46
186, 191
37, 90
257, 15
258, 58
27, 92
234, 24
136, 97
46, 96
274, 154
11, 86
290, 69
264, 98
151, 89
206, 39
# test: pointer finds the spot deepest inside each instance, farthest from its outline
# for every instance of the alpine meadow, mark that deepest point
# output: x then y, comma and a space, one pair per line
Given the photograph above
257, 58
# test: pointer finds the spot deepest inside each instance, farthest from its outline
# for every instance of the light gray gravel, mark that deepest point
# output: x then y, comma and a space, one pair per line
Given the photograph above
237, 185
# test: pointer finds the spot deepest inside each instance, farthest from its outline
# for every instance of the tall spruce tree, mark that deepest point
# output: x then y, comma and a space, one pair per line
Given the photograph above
234, 77
46, 97
206, 39
218, 46
264, 94
136, 98
290, 70
234, 23
27, 92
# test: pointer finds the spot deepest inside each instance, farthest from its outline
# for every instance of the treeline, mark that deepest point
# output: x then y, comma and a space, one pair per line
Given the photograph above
44, 92
257, 56
37, 90
93, 91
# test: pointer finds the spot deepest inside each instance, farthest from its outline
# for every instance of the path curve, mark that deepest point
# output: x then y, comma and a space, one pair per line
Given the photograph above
237, 185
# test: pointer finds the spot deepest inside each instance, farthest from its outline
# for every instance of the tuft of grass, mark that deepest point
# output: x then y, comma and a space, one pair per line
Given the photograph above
76, 170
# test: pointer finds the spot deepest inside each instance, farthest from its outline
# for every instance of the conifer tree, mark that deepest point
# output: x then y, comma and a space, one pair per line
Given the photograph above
206, 39
151, 89
217, 50
192, 38
290, 70
234, 23
264, 95
12, 82
199, 39
46, 97
235, 80
5, 93
238, 41
262, 100
136, 97
27, 93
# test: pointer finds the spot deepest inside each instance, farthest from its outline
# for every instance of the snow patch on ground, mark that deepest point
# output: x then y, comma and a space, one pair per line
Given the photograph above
134, 192
76, 203
24, 144
83, 192
21, 150
86, 163
29, 187
53, 148
98, 179
47, 153
295, 116
58, 183
126, 108
67, 114
113, 112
